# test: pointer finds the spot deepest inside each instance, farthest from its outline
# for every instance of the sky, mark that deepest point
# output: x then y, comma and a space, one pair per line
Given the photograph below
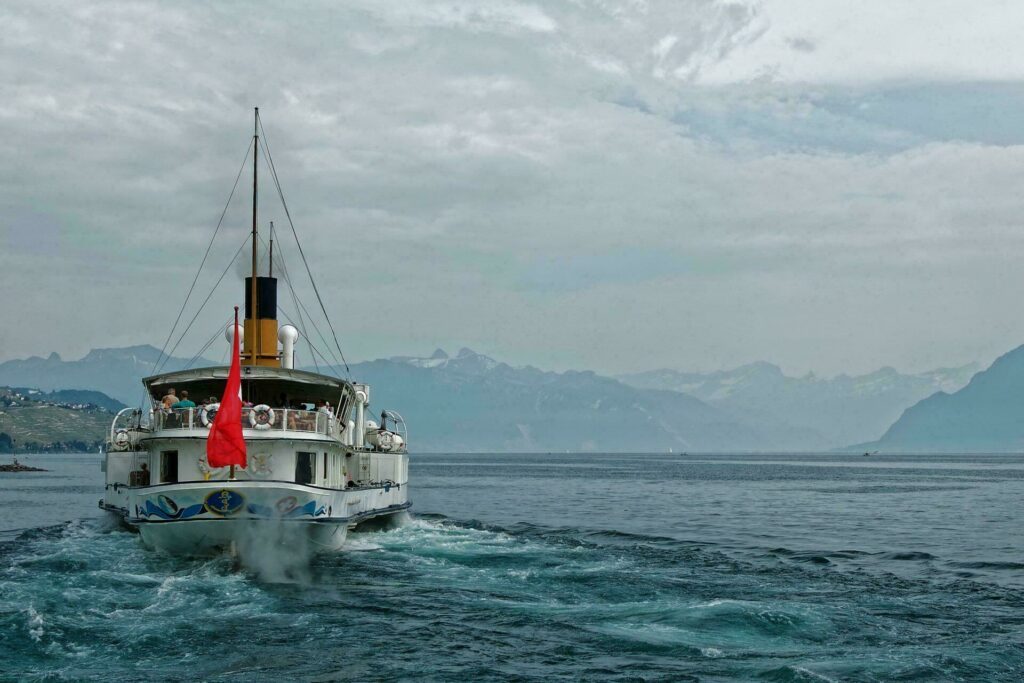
616, 185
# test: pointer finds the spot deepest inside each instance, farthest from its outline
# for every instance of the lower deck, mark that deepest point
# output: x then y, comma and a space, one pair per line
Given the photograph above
317, 488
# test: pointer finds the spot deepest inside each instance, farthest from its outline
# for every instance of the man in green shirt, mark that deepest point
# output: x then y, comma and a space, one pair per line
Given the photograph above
183, 403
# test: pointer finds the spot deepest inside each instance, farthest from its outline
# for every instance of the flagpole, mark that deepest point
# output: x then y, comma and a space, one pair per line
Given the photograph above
234, 349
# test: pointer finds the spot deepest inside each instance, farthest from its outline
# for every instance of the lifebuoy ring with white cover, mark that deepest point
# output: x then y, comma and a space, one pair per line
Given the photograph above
207, 414
262, 416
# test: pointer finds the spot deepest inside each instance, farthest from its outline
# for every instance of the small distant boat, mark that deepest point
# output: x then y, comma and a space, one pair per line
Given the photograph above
294, 467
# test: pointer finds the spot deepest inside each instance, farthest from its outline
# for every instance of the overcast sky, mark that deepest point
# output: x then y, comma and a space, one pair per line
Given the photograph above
613, 185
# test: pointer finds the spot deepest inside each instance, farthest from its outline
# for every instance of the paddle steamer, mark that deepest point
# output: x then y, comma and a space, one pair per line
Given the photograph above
315, 465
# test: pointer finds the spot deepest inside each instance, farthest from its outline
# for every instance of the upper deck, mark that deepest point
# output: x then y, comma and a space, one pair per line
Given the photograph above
260, 384
293, 397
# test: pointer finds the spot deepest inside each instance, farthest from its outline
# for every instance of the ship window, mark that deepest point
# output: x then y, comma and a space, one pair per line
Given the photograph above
305, 466
169, 467
325, 468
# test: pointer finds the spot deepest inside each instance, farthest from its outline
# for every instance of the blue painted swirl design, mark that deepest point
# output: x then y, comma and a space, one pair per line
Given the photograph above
225, 505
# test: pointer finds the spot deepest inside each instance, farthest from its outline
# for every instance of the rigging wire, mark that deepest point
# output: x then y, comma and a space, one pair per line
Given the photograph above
312, 347
300, 308
206, 346
157, 363
295, 299
208, 296
291, 224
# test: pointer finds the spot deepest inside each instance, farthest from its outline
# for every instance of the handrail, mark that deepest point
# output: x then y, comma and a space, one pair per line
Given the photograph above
283, 420
113, 423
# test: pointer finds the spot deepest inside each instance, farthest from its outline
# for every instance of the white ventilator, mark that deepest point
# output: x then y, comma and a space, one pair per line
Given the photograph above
241, 334
360, 431
288, 335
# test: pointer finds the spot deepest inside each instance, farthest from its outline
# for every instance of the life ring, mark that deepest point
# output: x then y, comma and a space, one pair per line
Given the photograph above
207, 414
122, 440
262, 416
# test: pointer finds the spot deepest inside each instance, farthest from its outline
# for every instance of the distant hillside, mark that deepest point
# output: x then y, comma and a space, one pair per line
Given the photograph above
31, 421
473, 403
822, 413
987, 415
72, 398
115, 372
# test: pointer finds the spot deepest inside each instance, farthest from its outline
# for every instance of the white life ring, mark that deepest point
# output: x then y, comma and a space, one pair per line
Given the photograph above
122, 440
207, 414
262, 416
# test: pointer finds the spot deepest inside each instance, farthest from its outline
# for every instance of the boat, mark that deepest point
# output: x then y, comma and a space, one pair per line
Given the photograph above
314, 465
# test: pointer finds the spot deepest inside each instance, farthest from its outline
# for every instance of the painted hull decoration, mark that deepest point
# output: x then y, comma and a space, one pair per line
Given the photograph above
226, 503
218, 458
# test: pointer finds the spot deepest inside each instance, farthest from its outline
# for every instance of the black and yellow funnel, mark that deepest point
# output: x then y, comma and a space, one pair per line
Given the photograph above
260, 338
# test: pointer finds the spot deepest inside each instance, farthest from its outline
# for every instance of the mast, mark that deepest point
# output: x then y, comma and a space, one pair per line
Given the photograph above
260, 290
255, 235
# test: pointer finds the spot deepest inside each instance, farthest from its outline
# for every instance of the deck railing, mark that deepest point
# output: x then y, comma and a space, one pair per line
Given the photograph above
283, 420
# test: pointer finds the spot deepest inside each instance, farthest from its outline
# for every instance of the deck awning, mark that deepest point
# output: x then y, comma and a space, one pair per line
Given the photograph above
260, 384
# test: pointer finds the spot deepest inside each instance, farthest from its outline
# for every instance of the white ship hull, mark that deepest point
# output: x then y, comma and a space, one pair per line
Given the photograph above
197, 518
304, 487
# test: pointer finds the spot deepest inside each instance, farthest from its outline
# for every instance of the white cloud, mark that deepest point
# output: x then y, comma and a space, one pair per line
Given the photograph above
588, 184
855, 42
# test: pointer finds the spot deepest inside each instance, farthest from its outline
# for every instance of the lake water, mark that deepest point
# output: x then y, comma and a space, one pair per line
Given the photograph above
577, 567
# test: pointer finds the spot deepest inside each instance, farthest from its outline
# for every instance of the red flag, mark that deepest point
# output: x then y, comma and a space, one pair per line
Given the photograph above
225, 444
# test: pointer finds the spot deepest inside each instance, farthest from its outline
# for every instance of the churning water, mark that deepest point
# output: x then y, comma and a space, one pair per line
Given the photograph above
581, 567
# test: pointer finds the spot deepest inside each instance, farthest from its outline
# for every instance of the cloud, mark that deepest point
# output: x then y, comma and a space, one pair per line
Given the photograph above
591, 184
802, 44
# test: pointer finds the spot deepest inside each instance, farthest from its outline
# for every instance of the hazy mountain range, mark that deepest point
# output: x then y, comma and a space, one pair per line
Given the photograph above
825, 413
470, 402
987, 415
115, 372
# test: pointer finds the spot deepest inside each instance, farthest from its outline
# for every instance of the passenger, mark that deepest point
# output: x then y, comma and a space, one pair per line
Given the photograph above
143, 474
169, 400
184, 403
326, 408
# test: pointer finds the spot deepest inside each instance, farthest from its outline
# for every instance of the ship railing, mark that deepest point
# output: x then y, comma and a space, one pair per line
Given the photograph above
277, 420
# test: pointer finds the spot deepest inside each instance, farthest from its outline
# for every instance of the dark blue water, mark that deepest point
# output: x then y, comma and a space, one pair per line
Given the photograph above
579, 567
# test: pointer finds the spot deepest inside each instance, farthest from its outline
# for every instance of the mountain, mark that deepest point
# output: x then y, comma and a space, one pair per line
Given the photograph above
470, 402
987, 415
33, 421
822, 413
114, 372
